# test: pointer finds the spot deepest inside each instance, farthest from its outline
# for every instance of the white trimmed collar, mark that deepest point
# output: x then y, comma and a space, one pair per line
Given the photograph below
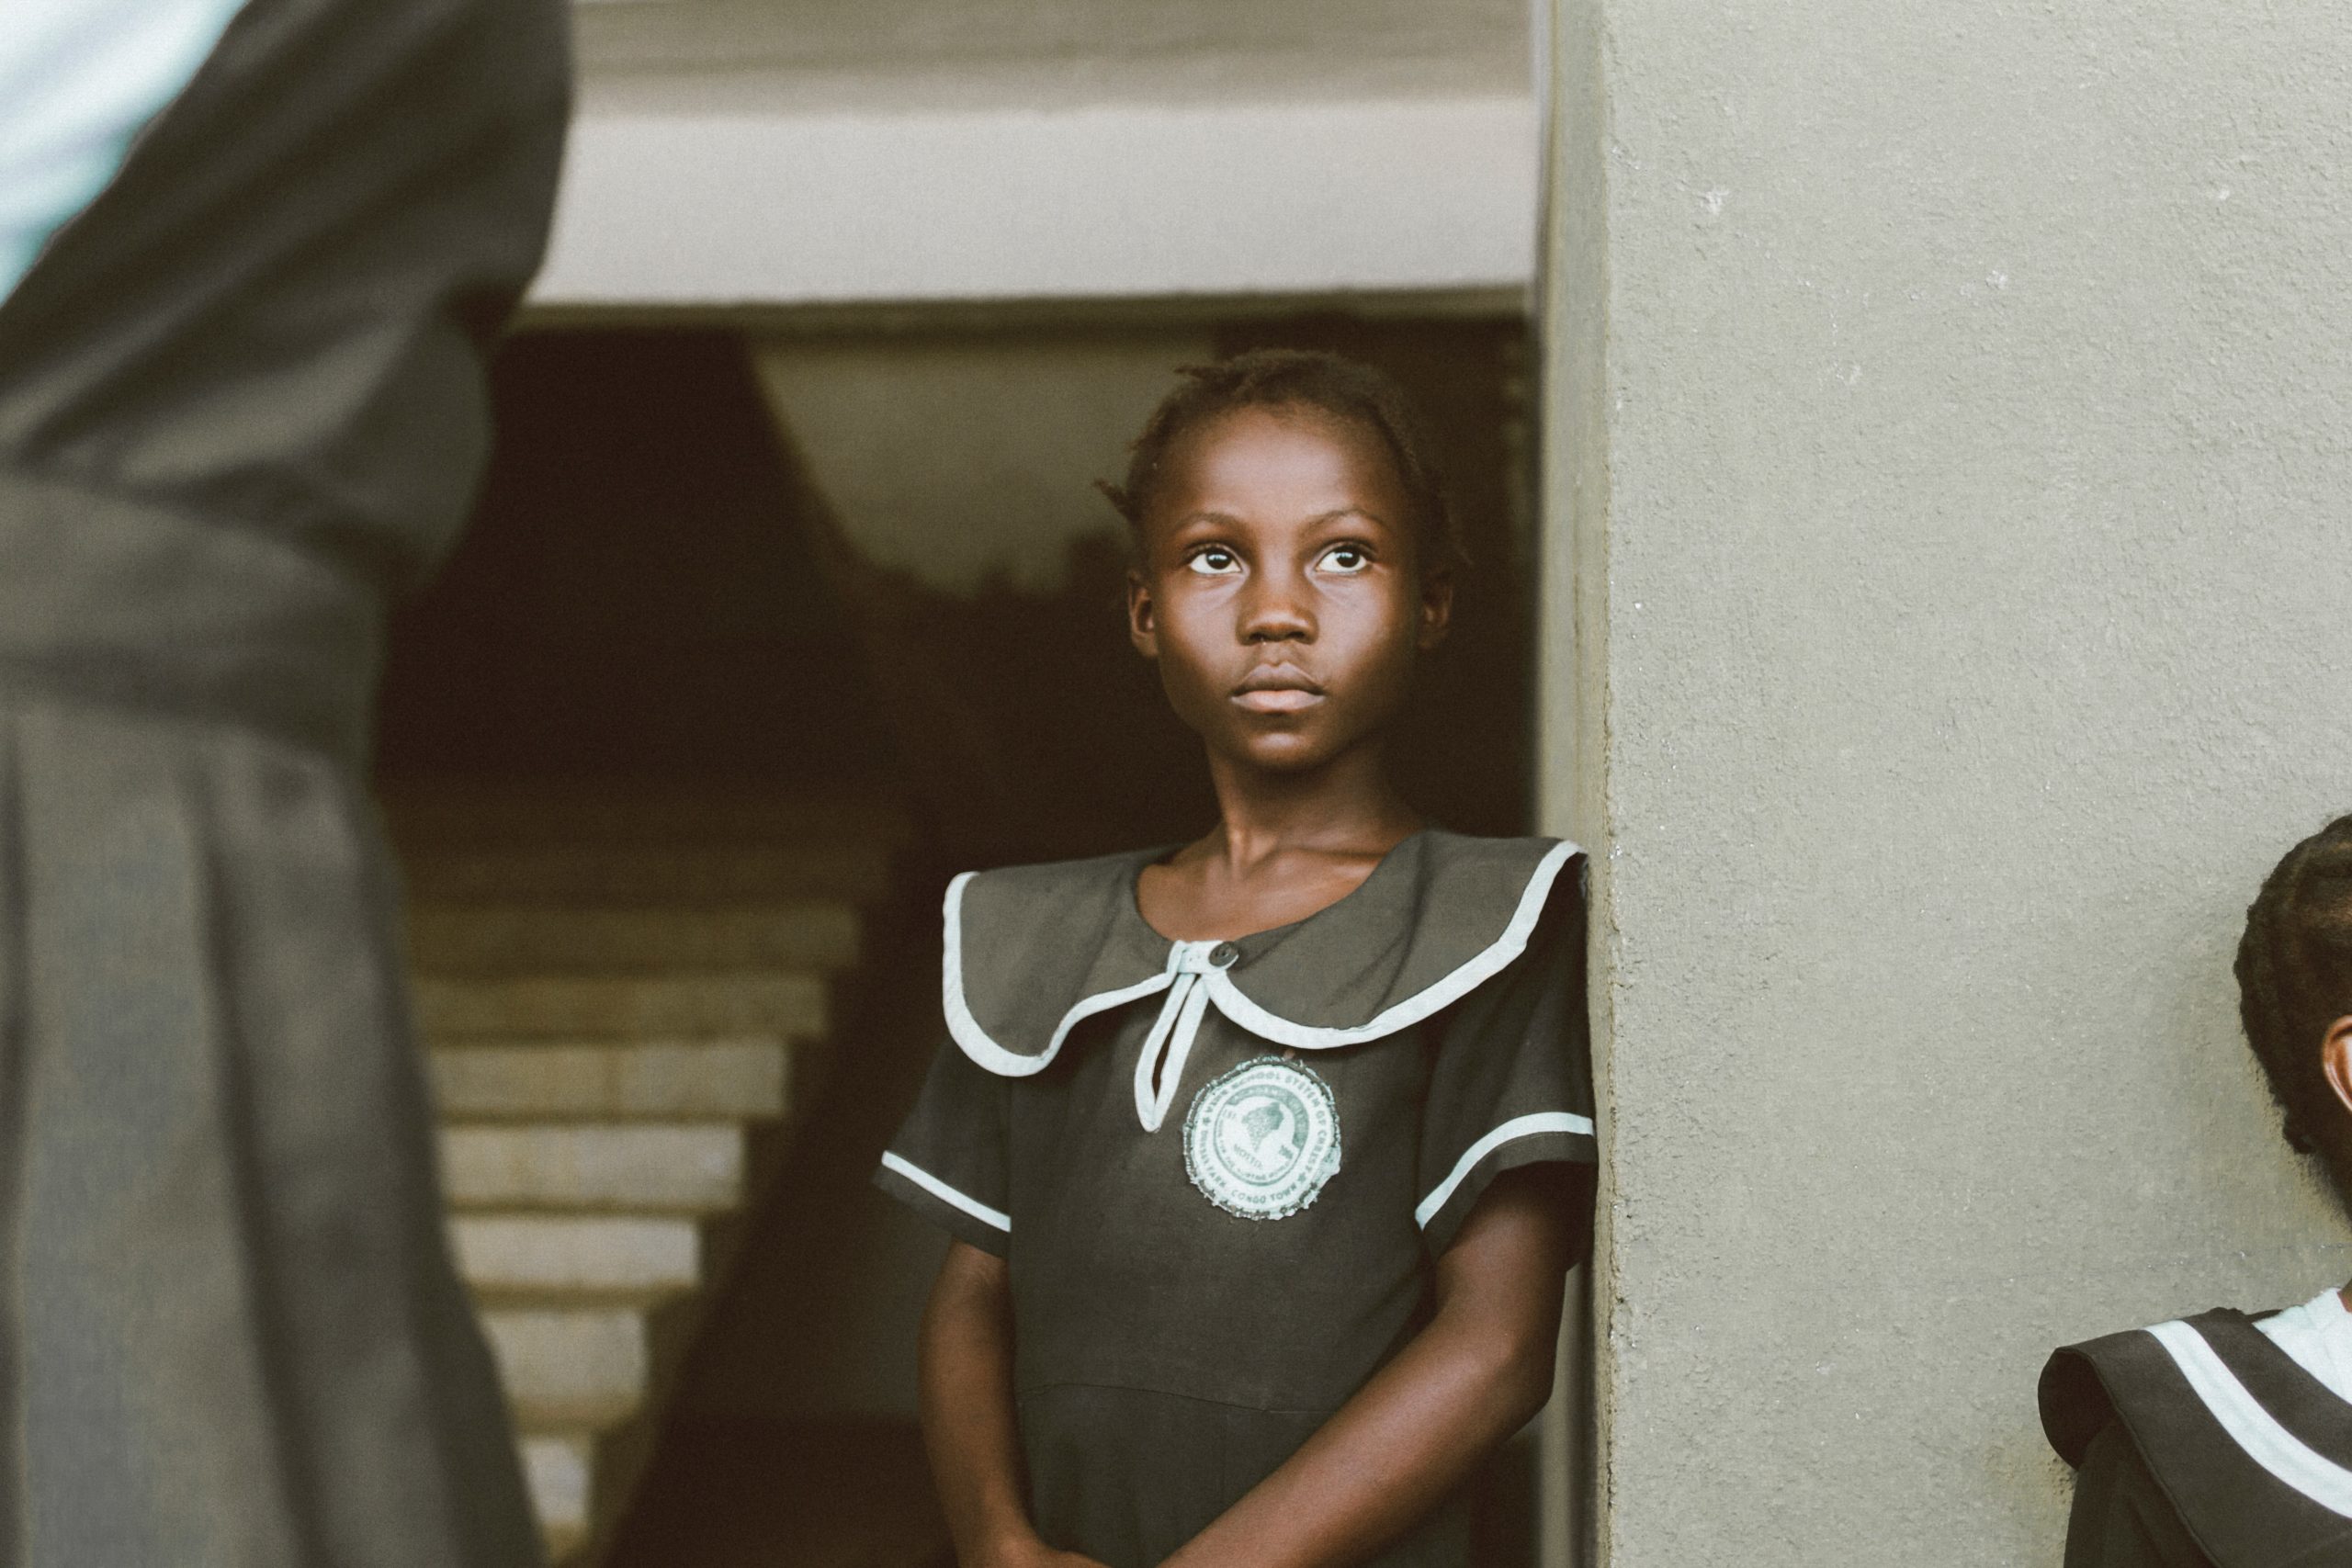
1031, 952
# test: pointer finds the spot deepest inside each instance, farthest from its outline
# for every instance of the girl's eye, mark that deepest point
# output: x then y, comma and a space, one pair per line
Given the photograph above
1214, 560
1346, 558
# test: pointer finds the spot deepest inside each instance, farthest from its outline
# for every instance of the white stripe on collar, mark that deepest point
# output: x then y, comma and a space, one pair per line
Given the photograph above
2288, 1459
1227, 998
1490, 962
966, 1029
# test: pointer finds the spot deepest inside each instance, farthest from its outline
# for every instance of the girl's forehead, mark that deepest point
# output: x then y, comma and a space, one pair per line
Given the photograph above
1288, 453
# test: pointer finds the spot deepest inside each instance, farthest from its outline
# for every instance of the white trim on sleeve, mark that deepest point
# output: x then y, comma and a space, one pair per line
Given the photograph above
1516, 1128
2251, 1426
947, 1194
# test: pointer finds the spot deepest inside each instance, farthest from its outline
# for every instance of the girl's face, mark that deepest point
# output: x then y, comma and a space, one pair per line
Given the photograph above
1280, 589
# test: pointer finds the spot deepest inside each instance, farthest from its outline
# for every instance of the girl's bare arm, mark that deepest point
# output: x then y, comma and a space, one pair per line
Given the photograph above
1478, 1372
968, 1426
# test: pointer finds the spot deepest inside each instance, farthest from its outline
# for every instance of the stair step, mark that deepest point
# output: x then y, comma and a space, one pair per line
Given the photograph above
525, 938
600, 1166
560, 1470
478, 812
493, 1078
720, 1004
850, 867
528, 1252
626, 987
558, 1365
588, 1360
581, 1475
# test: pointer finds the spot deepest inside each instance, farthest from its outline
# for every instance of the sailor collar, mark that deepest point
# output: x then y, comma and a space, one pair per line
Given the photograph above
2254, 1451
1032, 951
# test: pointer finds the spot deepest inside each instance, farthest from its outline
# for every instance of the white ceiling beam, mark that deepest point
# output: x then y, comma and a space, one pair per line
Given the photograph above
1114, 202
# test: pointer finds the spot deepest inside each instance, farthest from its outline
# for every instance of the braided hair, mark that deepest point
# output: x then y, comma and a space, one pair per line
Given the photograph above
1346, 389
2294, 971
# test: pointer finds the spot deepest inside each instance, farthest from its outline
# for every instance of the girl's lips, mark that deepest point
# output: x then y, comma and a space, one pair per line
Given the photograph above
1277, 699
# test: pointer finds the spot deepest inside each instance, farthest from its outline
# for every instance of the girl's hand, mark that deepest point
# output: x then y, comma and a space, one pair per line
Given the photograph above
1479, 1370
968, 1422
1035, 1553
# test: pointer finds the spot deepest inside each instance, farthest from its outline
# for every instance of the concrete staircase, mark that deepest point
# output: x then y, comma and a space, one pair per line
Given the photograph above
626, 997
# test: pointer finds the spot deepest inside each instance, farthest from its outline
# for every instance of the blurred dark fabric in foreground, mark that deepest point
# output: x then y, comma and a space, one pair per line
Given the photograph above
241, 404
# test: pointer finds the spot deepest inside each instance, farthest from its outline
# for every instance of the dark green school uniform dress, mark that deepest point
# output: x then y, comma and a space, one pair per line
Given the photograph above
2199, 1443
1220, 1172
242, 403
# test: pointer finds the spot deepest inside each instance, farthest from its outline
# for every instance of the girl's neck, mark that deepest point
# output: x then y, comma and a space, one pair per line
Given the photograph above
1285, 847
1347, 808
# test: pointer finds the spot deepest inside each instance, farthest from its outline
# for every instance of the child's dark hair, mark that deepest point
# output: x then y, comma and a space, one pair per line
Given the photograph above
1290, 377
2295, 978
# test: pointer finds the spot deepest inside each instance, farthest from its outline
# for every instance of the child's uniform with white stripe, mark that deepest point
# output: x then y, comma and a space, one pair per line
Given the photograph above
1222, 1172
2215, 1441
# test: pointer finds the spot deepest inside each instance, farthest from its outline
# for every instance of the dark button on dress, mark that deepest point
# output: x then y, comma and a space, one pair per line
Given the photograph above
242, 403
1221, 1172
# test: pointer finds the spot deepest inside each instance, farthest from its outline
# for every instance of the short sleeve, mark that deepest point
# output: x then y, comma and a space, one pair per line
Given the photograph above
1510, 1083
949, 1160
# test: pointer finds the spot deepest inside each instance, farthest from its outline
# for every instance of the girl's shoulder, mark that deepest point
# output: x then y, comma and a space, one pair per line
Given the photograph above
1440, 916
1031, 951
1464, 877
1028, 950
1047, 881
1437, 871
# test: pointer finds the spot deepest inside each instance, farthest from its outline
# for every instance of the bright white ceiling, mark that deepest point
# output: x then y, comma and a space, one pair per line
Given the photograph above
782, 153
798, 55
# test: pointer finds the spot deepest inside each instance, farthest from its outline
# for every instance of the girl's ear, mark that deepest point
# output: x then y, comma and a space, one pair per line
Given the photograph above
2335, 1059
1436, 609
1143, 625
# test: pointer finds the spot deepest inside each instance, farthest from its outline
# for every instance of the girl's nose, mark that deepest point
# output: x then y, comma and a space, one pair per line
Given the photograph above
1276, 611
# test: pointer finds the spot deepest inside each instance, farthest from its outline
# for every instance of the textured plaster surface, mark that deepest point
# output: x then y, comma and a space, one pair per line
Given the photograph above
1969, 544
1571, 676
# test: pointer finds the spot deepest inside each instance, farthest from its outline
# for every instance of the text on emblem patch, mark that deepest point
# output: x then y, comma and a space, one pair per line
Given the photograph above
1262, 1140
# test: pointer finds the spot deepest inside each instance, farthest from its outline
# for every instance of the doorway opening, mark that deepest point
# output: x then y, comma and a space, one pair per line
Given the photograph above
748, 648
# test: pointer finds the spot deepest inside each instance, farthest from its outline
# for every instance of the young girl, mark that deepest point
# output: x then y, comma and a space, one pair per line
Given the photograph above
2223, 1440
1264, 1158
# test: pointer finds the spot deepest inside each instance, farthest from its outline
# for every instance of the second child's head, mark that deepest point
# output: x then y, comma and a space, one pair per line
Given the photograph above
1293, 555
2295, 995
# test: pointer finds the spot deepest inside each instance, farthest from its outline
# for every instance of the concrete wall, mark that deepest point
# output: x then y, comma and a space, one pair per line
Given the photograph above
1950, 432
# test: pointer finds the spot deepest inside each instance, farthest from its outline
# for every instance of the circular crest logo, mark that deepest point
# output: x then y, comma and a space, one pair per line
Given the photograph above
1260, 1141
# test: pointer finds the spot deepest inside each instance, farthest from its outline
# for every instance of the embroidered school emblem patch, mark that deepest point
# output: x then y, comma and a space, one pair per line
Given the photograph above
1260, 1141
